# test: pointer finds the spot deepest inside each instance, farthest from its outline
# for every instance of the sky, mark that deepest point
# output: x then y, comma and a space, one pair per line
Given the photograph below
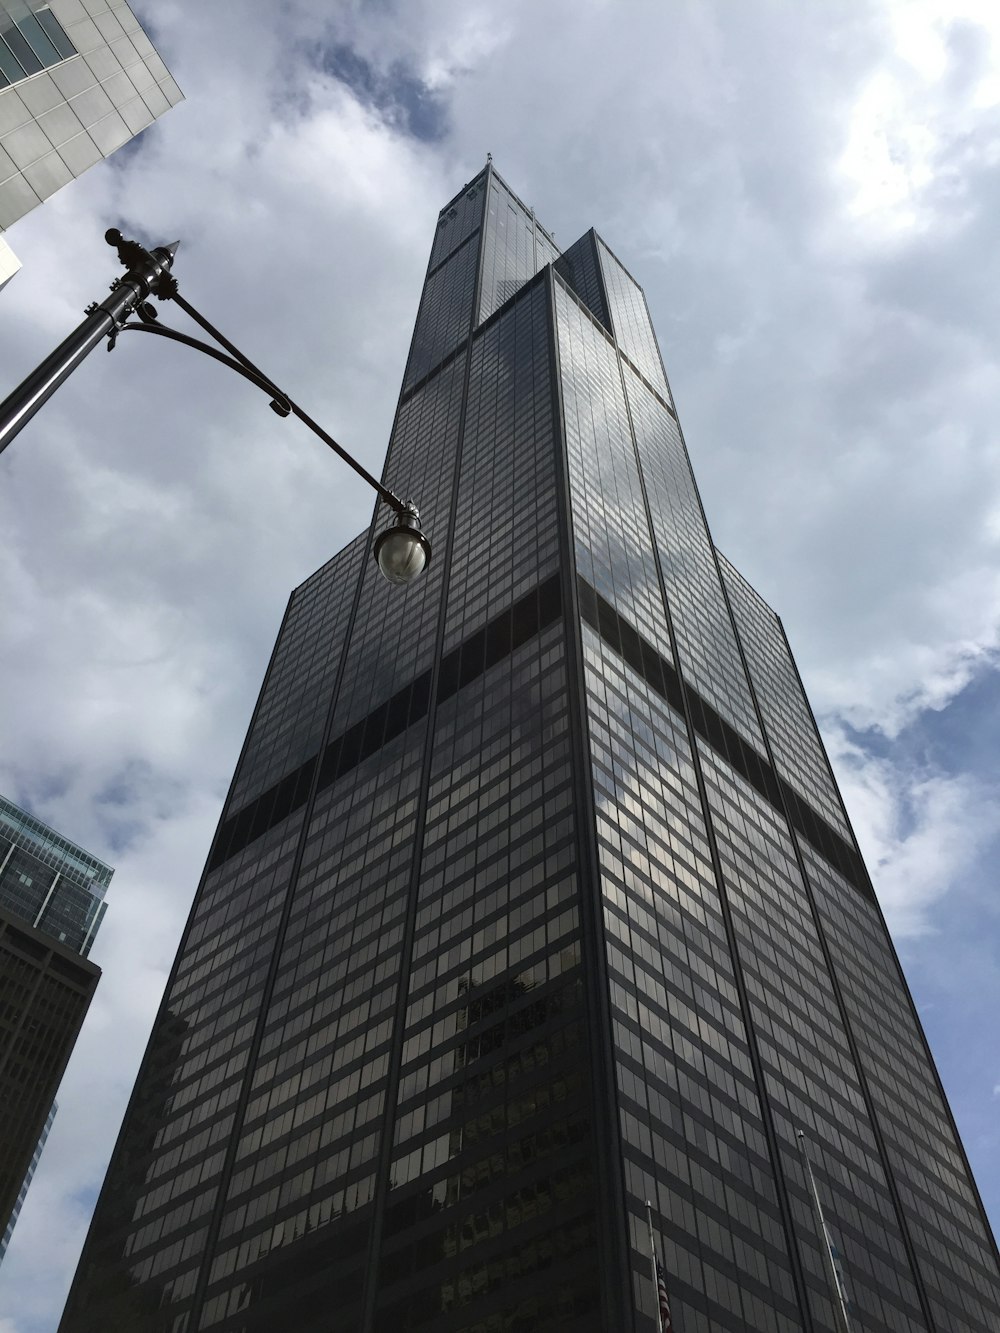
807, 193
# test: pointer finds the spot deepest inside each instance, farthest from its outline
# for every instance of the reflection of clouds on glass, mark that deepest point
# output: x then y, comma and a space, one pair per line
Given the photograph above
706, 641
515, 248
795, 744
637, 738
613, 546
630, 318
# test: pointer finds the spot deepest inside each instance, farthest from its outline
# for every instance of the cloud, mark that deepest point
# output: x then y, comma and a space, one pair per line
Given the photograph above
921, 830
401, 98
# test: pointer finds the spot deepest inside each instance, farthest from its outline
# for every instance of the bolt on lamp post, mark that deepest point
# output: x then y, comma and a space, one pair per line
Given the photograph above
401, 551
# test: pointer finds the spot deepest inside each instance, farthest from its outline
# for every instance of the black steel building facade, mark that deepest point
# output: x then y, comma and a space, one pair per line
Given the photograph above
51, 905
534, 899
45, 992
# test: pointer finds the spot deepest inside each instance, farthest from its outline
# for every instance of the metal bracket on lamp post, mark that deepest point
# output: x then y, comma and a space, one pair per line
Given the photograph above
402, 551
145, 271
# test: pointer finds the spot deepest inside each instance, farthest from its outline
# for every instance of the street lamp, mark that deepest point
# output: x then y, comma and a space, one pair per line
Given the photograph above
402, 551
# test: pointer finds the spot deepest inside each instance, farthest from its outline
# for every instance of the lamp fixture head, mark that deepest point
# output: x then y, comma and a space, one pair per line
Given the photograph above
402, 552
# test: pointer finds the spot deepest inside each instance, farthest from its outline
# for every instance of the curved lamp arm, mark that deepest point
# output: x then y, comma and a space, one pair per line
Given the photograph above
402, 551
280, 403
166, 290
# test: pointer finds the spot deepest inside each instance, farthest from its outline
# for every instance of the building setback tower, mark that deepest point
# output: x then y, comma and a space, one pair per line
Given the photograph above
534, 899
51, 904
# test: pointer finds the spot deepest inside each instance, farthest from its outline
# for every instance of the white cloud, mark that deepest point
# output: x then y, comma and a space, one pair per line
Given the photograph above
921, 831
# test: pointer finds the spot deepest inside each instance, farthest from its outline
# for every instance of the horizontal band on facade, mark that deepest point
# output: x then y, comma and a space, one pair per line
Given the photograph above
466, 240
410, 390
664, 678
46, 954
493, 318
434, 371
497, 639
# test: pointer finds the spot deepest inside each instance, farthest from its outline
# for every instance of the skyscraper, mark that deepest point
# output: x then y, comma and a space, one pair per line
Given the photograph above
78, 79
51, 904
533, 899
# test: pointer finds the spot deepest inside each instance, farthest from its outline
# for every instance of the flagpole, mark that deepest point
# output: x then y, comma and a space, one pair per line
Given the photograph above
829, 1264
652, 1267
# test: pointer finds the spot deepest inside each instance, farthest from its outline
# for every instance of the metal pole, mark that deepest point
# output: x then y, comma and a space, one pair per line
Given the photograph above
18, 409
652, 1266
142, 278
826, 1243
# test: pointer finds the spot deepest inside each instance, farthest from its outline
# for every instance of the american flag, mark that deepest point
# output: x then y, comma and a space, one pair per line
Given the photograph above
663, 1300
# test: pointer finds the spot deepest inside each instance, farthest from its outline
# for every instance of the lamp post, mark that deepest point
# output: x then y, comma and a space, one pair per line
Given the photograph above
401, 551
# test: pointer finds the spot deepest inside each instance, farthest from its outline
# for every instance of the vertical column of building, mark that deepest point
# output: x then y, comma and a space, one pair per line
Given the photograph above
491, 1179
807, 1064
607, 545
706, 640
689, 1106
928, 1174
796, 1028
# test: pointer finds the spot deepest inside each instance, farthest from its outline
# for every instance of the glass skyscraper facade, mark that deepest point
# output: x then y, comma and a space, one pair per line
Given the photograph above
78, 79
49, 882
534, 899
51, 905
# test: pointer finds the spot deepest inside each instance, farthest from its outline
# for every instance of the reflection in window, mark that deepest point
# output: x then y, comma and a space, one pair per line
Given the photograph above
30, 41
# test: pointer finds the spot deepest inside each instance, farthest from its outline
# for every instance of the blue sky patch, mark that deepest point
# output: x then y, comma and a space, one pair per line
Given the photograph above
949, 740
398, 94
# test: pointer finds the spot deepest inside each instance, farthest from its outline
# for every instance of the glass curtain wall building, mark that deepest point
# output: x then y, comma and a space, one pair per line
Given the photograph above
51, 904
48, 881
78, 79
534, 899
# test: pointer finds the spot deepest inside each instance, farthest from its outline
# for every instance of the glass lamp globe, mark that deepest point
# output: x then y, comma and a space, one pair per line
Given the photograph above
402, 552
